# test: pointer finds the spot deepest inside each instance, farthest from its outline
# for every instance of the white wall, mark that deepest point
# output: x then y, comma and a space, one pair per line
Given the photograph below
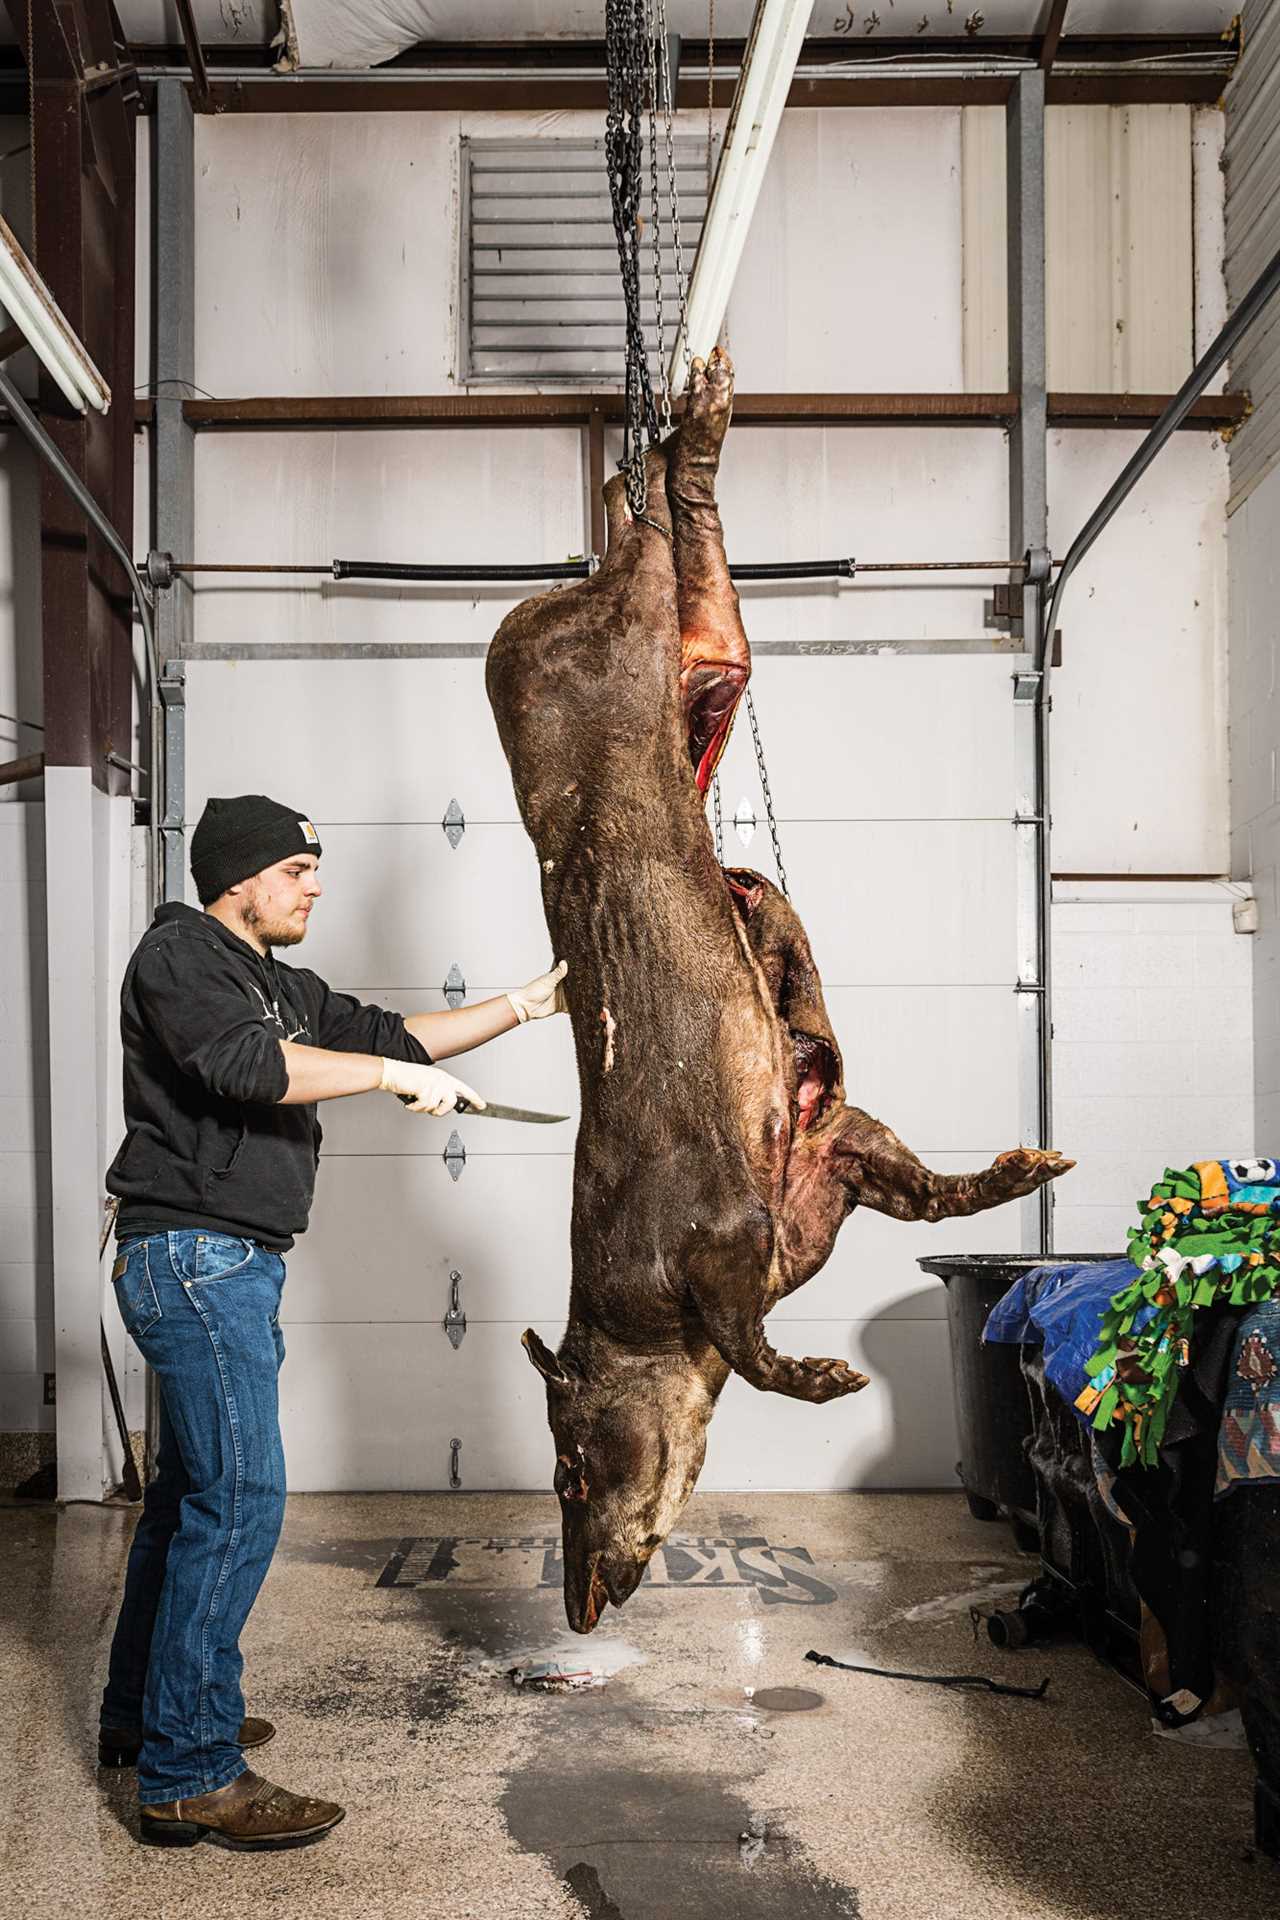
325, 263
1152, 1056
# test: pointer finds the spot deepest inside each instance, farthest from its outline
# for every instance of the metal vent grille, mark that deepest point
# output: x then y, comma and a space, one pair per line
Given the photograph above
541, 300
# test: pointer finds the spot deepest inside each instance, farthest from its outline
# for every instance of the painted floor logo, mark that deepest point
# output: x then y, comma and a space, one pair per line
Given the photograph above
781, 1574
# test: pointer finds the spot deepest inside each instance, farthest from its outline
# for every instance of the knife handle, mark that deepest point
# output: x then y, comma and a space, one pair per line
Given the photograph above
463, 1106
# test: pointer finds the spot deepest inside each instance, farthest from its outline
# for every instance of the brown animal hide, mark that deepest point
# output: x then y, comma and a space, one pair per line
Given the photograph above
716, 1157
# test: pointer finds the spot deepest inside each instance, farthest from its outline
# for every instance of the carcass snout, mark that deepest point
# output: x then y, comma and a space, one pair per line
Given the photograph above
585, 1594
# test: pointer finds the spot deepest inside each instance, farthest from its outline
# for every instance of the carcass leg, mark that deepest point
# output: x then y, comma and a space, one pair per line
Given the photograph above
881, 1173
728, 1279
715, 660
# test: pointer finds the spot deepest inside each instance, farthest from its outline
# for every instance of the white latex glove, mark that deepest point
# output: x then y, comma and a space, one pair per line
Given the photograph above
426, 1089
542, 996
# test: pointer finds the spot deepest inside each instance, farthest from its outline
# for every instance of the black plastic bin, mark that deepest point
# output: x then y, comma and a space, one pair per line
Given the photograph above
993, 1408
1026, 1455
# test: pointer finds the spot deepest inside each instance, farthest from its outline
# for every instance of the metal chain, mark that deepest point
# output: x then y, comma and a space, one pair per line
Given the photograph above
719, 817
768, 797
673, 187
625, 27
655, 205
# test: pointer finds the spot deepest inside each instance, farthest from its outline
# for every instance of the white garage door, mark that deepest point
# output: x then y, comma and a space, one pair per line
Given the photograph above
893, 778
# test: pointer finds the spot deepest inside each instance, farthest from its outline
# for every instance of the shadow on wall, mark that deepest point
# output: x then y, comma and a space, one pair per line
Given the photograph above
907, 1355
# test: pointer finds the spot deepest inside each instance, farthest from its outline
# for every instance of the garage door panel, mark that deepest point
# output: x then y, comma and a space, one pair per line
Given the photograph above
416, 734
904, 902
376, 1406
937, 1064
534, 1066
895, 903
372, 1407
403, 906
359, 740
832, 733
898, 1432
385, 1234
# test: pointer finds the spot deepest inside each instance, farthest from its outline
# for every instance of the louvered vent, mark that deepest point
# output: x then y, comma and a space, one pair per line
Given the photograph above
541, 294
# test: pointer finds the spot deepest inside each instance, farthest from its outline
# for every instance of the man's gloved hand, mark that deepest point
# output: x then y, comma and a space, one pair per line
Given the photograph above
542, 996
426, 1089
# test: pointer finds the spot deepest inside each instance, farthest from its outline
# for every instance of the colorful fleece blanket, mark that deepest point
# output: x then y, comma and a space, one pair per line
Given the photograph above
1209, 1235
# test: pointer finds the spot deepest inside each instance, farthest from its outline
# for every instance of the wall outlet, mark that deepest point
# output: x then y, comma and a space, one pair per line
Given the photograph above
51, 1389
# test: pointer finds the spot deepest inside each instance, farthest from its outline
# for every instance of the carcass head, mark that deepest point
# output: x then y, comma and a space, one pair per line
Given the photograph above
630, 1440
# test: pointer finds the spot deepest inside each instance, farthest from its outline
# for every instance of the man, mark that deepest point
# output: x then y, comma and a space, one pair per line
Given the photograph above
226, 1053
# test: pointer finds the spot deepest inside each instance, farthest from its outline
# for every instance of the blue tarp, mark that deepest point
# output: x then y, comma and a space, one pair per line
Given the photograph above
1063, 1306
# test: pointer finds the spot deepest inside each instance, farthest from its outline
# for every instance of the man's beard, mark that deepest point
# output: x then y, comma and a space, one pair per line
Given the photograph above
273, 933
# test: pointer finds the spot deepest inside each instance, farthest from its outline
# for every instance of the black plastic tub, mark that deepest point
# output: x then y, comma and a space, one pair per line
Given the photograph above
993, 1408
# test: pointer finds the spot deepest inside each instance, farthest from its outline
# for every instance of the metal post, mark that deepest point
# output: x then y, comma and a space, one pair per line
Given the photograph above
173, 478
1029, 535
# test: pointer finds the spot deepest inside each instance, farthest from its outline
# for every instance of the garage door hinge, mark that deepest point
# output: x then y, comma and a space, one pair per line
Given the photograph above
455, 986
455, 1471
455, 1320
454, 824
455, 1156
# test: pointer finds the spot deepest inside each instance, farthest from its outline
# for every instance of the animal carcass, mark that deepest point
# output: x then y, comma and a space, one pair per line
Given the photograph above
716, 1157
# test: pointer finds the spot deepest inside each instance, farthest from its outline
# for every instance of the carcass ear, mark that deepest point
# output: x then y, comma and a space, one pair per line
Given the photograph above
543, 1358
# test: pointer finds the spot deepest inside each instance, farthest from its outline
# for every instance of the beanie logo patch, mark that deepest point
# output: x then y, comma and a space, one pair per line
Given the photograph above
309, 833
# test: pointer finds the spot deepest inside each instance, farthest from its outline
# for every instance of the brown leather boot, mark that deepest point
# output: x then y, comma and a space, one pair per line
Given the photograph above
120, 1746
250, 1815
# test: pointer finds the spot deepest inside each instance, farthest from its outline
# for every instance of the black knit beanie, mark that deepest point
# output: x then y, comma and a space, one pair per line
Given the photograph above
239, 837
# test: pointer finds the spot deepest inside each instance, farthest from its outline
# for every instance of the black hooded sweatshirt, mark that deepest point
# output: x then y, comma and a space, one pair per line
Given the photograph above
207, 1143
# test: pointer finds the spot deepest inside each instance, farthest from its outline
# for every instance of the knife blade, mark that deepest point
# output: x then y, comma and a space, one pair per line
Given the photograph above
494, 1110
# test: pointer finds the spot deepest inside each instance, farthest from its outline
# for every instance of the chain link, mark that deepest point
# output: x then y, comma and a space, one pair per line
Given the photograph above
625, 35
768, 797
719, 817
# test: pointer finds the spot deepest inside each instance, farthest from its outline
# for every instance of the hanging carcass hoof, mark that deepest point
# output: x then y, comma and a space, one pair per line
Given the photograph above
717, 1158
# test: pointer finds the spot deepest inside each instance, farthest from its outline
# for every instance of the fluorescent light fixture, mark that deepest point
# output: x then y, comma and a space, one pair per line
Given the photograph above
773, 50
36, 313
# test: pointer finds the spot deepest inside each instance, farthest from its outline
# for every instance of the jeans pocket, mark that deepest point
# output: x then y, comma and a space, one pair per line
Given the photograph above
216, 1255
135, 1291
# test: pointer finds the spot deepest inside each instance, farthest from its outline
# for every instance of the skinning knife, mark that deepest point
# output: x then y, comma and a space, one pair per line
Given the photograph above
494, 1110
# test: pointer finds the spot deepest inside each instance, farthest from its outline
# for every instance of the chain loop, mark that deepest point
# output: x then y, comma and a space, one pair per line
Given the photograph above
719, 817
768, 797
625, 33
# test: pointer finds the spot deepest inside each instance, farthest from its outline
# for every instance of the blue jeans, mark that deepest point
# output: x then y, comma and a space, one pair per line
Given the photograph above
203, 1310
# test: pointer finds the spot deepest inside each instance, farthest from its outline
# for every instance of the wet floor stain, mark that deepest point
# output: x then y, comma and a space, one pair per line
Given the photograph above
786, 1699
660, 1844
353, 1690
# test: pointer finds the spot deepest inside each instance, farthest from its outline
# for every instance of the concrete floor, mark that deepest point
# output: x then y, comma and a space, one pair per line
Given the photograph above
468, 1798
